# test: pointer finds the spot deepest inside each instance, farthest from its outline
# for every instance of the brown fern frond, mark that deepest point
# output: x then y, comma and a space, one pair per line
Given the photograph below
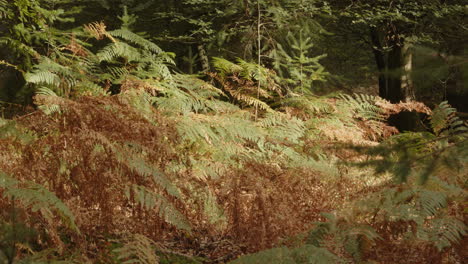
391, 109
98, 31
75, 48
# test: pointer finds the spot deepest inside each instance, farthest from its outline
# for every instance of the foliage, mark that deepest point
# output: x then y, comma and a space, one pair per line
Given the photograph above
305, 254
126, 159
137, 249
302, 69
246, 82
27, 30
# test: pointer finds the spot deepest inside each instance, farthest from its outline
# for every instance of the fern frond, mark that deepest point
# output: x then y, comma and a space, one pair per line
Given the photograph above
446, 232
249, 100
10, 130
364, 106
48, 108
43, 77
118, 49
140, 166
137, 249
431, 202
36, 198
151, 200
189, 94
444, 117
4, 11
322, 229
304, 254
281, 127
97, 30
226, 67
311, 105
129, 36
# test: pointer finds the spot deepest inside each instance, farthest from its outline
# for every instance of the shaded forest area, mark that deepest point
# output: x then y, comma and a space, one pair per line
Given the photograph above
220, 131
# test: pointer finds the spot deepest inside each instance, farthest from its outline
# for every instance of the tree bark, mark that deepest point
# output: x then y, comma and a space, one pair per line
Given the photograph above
379, 56
203, 58
395, 84
393, 75
407, 87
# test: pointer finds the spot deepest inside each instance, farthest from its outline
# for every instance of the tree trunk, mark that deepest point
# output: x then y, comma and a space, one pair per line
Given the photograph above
407, 121
203, 58
407, 87
395, 84
379, 56
394, 75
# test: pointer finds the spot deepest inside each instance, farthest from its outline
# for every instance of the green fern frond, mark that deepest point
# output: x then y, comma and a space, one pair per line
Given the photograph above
217, 129
37, 198
48, 109
306, 254
322, 229
137, 249
311, 105
43, 77
118, 49
4, 11
19, 47
9, 129
88, 88
151, 200
117, 72
446, 232
364, 106
440, 116
444, 117
431, 202
249, 100
226, 67
285, 128
140, 166
189, 94
129, 36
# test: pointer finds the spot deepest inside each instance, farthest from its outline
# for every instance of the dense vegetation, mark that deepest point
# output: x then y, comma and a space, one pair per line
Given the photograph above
266, 131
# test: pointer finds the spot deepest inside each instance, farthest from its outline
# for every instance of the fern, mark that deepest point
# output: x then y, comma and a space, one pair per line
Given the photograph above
37, 198
189, 94
43, 77
446, 232
310, 105
226, 67
353, 237
137, 249
97, 30
241, 81
48, 109
118, 49
444, 118
150, 200
11, 130
364, 106
129, 36
306, 254
283, 128
4, 11
421, 210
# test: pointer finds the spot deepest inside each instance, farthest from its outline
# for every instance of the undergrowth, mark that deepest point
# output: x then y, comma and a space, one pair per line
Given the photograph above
221, 167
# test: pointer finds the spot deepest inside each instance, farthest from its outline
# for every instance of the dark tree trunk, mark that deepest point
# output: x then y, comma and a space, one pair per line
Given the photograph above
395, 83
393, 75
379, 56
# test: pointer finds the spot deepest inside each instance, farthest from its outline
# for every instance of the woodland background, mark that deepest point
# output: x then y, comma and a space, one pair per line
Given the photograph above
216, 131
